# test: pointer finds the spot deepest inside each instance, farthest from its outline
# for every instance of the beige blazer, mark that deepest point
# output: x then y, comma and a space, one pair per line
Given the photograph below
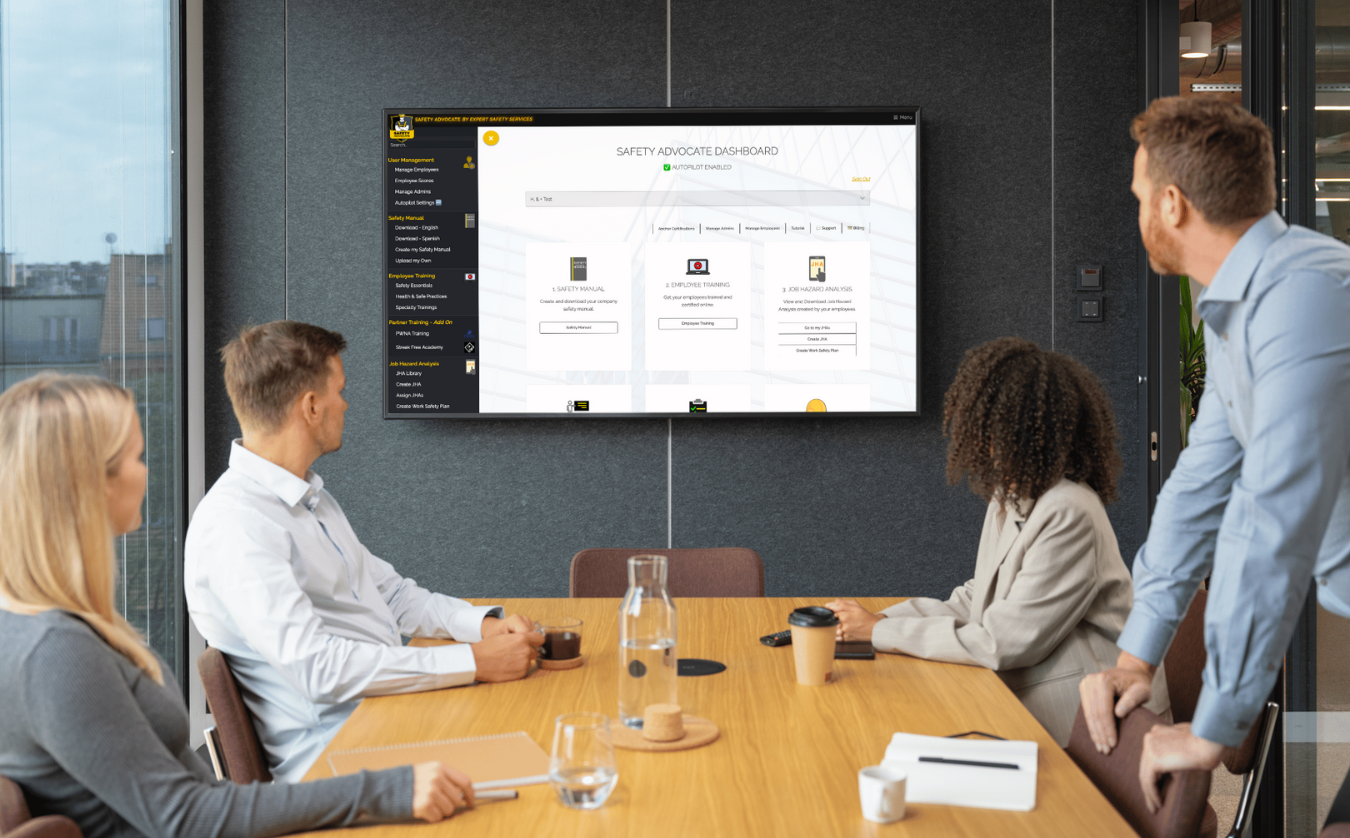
1049, 598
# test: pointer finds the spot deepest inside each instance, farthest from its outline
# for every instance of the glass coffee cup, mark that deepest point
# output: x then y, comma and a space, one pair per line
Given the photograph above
562, 641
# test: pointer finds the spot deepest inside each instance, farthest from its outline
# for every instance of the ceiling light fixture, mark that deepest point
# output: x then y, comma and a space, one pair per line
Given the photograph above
1196, 37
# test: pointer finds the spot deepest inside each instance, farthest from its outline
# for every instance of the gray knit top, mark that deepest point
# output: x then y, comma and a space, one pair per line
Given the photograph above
88, 735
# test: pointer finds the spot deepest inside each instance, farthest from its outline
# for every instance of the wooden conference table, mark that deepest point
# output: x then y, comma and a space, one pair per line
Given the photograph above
788, 757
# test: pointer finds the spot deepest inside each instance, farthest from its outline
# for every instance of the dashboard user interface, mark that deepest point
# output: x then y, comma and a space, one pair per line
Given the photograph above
663, 262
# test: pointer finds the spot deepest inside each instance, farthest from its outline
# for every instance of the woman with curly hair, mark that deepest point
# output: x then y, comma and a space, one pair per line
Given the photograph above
1033, 433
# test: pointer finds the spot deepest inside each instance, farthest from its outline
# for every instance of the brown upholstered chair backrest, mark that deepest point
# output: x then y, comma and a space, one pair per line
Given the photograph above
1116, 775
703, 572
1186, 660
1335, 830
242, 752
1184, 664
16, 822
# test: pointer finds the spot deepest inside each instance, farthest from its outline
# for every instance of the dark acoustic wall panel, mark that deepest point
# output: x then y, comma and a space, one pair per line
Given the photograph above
853, 507
1097, 223
244, 242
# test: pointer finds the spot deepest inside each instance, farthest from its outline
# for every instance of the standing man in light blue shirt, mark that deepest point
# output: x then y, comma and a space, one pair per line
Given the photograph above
310, 620
1260, 498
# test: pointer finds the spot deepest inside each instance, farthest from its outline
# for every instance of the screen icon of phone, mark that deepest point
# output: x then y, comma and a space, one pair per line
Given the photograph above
817, 271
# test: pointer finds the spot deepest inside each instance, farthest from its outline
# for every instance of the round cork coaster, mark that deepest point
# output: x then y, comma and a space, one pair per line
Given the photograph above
697, 733
571, 663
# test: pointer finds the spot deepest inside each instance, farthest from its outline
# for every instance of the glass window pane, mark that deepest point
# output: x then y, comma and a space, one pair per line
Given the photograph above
89, 274
1318, 737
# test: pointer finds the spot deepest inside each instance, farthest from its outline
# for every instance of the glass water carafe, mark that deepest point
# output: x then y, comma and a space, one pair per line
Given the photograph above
647, 670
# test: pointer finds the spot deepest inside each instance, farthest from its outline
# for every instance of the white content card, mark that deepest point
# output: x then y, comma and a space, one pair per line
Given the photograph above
966, 772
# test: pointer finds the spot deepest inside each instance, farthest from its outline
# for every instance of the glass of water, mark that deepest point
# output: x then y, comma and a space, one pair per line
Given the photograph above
582, 769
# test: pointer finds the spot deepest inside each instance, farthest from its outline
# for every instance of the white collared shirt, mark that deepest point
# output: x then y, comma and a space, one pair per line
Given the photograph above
310, 620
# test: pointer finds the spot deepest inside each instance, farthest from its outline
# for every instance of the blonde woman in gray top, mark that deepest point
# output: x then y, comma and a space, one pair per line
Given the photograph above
94, 726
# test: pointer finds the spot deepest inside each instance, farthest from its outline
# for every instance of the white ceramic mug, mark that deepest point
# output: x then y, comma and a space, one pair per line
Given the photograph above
882, 792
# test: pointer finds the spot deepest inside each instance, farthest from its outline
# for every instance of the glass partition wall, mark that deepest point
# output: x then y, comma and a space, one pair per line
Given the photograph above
1317, 194
90, 262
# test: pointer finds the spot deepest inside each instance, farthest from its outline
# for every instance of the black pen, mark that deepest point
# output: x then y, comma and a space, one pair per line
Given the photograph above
946, 761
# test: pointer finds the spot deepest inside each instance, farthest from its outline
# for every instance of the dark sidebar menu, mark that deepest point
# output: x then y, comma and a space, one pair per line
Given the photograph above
430, 267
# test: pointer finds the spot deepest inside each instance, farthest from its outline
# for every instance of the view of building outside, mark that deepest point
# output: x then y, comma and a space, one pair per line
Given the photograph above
89, 275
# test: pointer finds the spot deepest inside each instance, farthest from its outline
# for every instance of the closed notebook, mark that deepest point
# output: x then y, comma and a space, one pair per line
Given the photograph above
492, 762
939, 771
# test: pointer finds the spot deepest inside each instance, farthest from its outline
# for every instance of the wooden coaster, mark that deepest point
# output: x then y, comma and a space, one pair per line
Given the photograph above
571, 663
697, 733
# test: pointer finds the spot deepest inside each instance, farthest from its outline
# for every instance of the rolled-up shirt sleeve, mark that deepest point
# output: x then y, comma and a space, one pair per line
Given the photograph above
255, 584
1295, 461
1179, 552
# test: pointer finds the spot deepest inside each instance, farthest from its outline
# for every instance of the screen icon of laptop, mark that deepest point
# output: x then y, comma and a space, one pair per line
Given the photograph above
697, 267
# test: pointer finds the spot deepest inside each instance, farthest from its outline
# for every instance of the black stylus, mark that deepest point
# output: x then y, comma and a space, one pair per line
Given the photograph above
946, 761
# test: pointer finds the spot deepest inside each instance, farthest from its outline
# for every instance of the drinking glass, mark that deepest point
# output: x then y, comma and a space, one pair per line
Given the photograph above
582, 769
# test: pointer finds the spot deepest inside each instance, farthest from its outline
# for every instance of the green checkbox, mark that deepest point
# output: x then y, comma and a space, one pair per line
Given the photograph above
666, 167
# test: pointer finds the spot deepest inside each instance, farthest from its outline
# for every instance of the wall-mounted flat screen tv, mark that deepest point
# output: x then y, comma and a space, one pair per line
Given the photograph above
651, 262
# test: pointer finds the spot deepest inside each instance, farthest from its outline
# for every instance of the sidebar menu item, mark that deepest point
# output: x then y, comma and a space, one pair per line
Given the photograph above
430, 267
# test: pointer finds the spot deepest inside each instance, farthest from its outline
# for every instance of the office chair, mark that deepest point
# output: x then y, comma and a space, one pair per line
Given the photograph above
1184, 794
17, 822
701, 572
1183, 665
239, 751
1249, 760
1185, 660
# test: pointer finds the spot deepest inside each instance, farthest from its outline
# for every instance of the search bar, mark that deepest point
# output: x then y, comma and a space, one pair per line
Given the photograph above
703, 198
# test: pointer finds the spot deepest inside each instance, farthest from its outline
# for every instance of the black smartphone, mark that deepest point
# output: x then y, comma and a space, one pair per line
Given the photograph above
855, 650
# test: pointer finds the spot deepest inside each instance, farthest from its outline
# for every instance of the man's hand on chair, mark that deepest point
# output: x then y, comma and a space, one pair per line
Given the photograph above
1131, 680
1169, 748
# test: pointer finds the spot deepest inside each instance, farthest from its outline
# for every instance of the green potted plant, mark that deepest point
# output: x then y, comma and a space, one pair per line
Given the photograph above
1192, 361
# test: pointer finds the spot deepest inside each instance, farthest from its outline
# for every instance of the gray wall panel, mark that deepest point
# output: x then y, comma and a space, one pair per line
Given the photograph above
1096, 222
244, 189
857, 506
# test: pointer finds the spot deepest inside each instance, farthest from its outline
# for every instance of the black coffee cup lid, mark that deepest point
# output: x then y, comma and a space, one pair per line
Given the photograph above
813, 616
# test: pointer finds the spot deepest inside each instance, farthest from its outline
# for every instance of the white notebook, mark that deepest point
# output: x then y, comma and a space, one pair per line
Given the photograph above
939, 771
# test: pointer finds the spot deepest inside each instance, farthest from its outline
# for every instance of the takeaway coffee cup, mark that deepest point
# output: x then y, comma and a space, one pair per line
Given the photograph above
813, 629
882, 792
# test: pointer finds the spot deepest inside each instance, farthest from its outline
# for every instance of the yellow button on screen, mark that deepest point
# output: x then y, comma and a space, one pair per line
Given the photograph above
491, 137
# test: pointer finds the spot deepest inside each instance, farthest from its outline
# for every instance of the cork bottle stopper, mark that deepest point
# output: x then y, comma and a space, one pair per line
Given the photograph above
662, 722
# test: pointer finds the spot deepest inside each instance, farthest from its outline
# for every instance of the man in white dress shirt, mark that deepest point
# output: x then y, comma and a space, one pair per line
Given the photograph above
310, 620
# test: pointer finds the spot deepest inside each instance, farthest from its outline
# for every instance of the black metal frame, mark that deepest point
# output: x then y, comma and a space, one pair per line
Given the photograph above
1159, 327
1300, 170
178, 24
